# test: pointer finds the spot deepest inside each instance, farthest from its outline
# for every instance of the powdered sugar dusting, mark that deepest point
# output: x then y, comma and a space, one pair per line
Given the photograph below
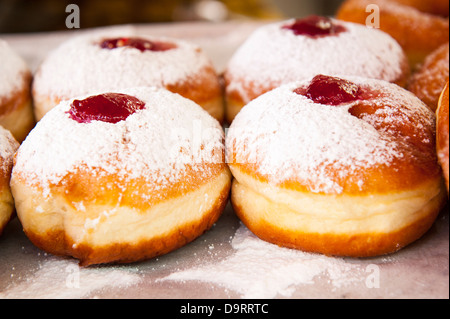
147, 144
12, 69
58, 278
290, 137
80, 66
8, 146
258, 269
272, 56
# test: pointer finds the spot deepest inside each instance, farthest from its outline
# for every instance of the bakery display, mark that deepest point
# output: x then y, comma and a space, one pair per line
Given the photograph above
121, 176
101, 63
228, 261
418, 32
343, 166
8, 146
16, 112
297, 49
442, 132
430, 79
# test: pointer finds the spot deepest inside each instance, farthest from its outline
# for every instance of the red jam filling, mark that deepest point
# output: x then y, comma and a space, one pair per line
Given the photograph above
108, 107
137, 43
315, 26
330, 90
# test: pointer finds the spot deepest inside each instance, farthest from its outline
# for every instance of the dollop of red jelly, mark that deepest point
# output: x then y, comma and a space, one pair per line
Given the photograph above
137, 43
330, 90
108, 107
315, 26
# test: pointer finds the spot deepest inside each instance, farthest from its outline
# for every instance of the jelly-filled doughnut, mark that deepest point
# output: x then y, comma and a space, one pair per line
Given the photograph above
16, 111
298, 49
102, 63
342, 166
121, 177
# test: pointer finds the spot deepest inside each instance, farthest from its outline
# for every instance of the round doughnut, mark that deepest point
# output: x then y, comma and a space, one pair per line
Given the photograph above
442, 132
16, 112
8, 146
343, 166
297, 49
102, 63
419, 33
430, 79
121, 177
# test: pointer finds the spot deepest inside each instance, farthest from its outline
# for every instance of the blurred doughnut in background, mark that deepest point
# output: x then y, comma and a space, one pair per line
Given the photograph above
19, 16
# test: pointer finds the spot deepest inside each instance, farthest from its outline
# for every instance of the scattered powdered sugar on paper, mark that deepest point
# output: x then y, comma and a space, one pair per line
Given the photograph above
58, 278
272, 56
258, 269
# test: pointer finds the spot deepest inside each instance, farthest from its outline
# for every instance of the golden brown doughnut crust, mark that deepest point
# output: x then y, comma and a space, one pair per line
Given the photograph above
57, 242
442, 133
417, 32
416, 166
6, 200
16, 111
438, 7
346, 245
429, 81
204, 89
375, 209
7, 211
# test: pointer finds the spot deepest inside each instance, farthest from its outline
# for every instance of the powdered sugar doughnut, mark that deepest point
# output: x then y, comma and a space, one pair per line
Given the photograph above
430, 79
341, 166
8, 146
419, 33
102, 63
293, 50
129, 175
16, 113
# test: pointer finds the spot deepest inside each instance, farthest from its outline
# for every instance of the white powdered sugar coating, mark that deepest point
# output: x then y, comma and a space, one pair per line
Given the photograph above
80, 66
12, 70
289, 137
155, 143
272, 56
8, 147
258, 269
